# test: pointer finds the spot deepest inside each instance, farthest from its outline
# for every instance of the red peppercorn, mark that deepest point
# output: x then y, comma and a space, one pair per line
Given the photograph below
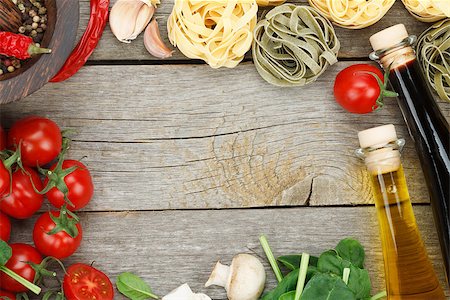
19, 46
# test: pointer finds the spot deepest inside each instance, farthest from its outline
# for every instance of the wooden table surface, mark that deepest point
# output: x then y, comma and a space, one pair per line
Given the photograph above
192, 164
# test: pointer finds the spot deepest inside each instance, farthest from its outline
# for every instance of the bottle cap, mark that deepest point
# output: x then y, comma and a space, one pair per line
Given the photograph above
388, 37
377, 136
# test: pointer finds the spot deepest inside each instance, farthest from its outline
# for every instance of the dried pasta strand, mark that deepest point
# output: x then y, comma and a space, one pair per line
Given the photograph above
219, 32
270, 2
428, 10
433, 52
294, 45
353, 14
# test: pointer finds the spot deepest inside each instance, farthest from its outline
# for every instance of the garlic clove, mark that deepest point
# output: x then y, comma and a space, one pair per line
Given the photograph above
127, 17
144, 16
153, 42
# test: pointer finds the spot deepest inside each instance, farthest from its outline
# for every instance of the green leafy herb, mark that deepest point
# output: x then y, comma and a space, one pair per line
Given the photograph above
5, 255
133, 287
292, 261
270, 257
287, 296
302, 276
351, 250
326, 287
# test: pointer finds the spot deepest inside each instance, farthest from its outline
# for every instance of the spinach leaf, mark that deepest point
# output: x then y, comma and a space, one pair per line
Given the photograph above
289, 283
351, 250
287, 296
292, 262
327, 287
330, 261
5, 252
359, 282
133, 287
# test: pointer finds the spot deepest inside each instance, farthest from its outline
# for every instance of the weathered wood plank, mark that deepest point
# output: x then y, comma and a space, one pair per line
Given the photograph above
219, 139
355, 43
173, 247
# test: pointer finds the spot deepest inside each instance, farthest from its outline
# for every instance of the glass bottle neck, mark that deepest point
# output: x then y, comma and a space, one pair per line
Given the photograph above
382, 159
396, 56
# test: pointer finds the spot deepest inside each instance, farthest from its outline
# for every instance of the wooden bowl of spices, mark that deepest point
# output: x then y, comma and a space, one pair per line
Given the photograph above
43, 24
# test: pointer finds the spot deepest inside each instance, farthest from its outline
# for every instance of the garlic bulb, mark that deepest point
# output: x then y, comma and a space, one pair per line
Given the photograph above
128, 18
153, 42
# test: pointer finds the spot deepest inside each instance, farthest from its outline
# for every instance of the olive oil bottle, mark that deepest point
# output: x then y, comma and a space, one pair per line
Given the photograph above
408, 270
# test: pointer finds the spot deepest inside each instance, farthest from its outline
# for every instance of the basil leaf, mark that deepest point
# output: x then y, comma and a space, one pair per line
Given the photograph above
292, 262
133, 287
5, 252
351, 250
327, 287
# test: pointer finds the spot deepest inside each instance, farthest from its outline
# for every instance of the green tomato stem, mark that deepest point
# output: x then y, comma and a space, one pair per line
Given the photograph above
32, 287
270, 257
302, 276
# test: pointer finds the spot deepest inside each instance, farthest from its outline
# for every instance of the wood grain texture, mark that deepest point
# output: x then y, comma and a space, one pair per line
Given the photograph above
186, 136
60, 36
173, 247
355, 43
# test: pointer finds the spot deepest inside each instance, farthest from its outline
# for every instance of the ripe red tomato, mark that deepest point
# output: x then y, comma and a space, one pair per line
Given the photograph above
40, 137
7, 295
21, 253
59, 245
83, 282
79, 183
5, 227
2, 139
5, 180
356, 90
23, 201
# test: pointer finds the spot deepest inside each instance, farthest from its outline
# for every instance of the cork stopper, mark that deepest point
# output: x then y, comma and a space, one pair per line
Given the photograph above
388, 37
377, 136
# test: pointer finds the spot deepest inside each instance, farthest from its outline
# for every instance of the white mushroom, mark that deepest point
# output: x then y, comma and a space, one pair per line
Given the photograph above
184, 292
244, 279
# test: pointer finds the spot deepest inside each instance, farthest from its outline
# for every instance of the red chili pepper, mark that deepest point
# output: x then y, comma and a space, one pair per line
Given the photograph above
88, 42
19, 46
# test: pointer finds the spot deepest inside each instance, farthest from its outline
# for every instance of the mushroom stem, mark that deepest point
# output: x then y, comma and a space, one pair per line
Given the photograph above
219, 275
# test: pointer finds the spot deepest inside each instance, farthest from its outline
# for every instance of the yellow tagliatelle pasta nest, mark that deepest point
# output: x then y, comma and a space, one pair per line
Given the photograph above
219, 32
353, 14
270, 2
428, 10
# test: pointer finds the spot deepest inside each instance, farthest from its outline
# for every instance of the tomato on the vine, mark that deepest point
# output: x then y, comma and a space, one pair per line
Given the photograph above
357, 89
23, 201
83, 282
5, 227
21, 254
40, 140
7, 295
2, 139
79, 184
60, 244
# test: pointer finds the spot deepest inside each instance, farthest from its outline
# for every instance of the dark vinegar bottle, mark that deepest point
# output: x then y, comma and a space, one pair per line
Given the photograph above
427, 126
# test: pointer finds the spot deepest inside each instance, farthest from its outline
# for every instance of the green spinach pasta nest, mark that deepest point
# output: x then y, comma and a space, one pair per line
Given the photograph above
433, 52
293, 45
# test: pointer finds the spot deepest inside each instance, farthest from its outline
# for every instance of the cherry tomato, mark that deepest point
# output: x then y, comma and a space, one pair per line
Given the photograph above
83, 282
79, 183
356, 90
5, 180
23, 201
59, 245
21, 253
2, 139
7, 295
5, 227
40, 137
